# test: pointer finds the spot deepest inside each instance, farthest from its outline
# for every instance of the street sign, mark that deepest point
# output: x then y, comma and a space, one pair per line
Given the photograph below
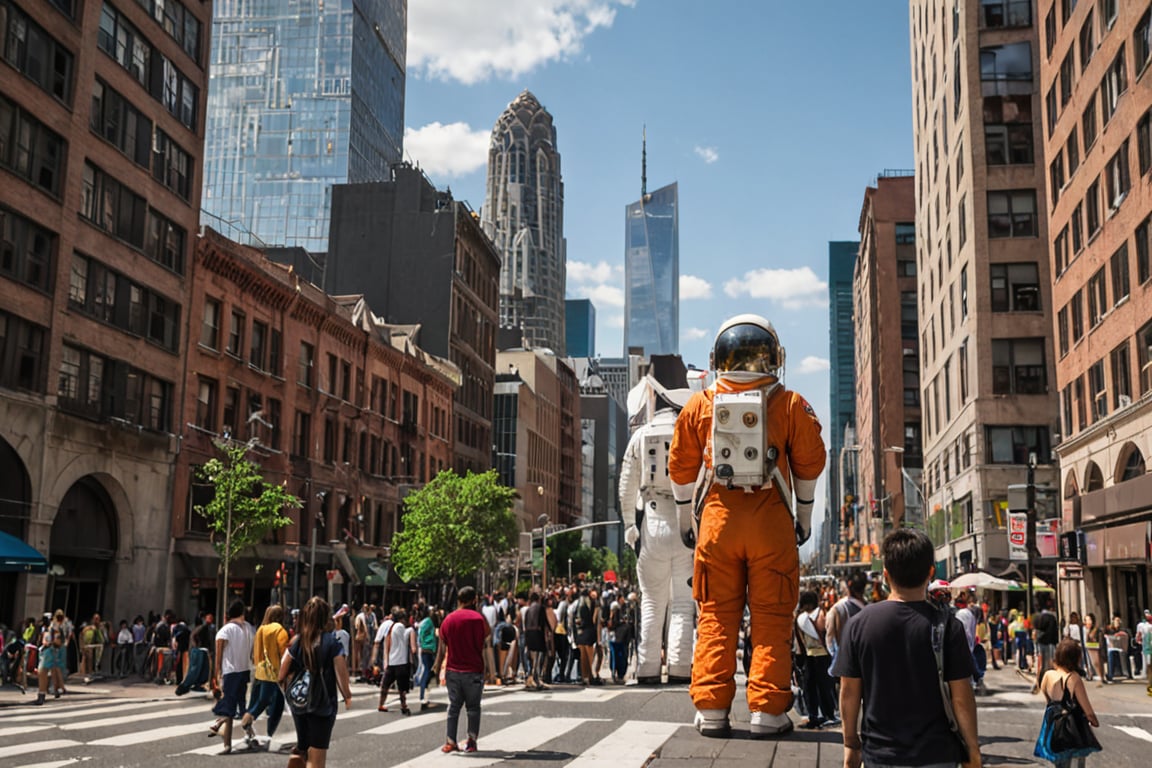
335, 577
1017, 536
525, 545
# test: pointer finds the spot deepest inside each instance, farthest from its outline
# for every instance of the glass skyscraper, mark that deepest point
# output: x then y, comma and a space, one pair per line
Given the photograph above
303, 94
580, 327
652, 273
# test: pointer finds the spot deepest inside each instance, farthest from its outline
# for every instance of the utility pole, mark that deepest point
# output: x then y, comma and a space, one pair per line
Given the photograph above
1030, 531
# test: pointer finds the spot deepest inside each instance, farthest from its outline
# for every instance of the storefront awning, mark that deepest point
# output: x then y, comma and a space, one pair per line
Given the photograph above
371, 571
17, 556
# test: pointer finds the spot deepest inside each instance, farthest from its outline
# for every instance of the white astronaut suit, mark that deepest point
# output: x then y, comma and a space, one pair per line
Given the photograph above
664, 564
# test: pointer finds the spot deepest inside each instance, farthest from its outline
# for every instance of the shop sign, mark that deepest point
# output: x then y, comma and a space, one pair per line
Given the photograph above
1017, 536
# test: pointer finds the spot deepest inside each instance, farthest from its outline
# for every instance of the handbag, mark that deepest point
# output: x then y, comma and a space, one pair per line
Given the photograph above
305, 692
1065, 731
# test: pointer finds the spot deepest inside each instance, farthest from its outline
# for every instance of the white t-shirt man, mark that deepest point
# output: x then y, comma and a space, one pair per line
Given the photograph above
399, 650
237, 655
968, 619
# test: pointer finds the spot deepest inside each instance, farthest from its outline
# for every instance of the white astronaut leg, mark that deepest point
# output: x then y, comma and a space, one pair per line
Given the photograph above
682, 608
654, 574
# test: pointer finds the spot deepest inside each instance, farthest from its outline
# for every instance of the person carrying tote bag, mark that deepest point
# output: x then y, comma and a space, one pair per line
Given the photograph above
1066, 736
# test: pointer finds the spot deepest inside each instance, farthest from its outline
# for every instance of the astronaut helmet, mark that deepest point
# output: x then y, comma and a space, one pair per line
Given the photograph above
748, 343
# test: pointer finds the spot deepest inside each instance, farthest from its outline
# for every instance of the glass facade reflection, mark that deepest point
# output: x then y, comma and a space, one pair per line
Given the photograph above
303, 94
652, 273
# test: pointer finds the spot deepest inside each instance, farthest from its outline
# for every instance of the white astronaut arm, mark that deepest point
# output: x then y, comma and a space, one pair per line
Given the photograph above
805, 491
630, 470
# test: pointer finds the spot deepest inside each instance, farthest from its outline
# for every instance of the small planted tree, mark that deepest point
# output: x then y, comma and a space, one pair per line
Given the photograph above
453, 527
243, 508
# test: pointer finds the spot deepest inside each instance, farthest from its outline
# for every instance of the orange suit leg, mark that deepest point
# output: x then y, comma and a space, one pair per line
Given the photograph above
744, 556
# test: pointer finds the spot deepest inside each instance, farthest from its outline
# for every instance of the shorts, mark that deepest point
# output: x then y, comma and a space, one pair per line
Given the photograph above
313, 731
52, 658
399, 675
233, 695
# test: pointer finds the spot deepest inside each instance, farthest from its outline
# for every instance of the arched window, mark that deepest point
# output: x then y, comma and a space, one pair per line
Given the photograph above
1093, 478
1131, 463
1071, 487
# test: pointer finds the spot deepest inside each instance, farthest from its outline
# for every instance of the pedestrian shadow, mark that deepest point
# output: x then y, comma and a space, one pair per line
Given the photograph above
985, 740
1005, 760
530, 754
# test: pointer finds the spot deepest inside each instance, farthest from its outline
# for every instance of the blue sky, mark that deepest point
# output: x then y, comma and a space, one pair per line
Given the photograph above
772, 116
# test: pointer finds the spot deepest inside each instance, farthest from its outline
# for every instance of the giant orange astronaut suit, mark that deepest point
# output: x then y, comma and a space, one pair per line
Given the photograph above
748, 537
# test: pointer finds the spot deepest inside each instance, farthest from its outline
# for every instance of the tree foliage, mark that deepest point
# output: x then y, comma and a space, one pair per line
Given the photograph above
454, 526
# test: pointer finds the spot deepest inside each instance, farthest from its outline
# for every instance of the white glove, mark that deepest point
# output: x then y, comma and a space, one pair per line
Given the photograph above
631, 536
805, 490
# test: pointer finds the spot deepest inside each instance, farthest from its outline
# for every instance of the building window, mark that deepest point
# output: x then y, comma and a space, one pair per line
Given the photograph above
231, 410
1066, 9
1008, 144
29, 149
1062, 330
1087, 40
908, 314
171, 165
274, 421
276, 354
1081, 403
115, 120
112, 206
1113, 85
1097, 298
1012, 213
1092, 208
27, 252
1088, 123
962, 221
1015, 287
113, 298
964, 292
1056, 176
1067, 77
1117, 176
1077, 228
962, 358
1098, 390
1051, 110
906, 268
124, 43
97, 387
1006, 69
210, 328
1012, 445
164, 242
1066, 409
1018, 367
911, 380
1107, 13
1119, 264
1050, 31
259, 350
236, 334
995, 14
1121, 377
34, 53
1073, 148
305, 364
302, 435
206, 403
1060, 252
1076, 310
23, 353
1143, 262
905, 233
1144, 357
329, 440
1142, 42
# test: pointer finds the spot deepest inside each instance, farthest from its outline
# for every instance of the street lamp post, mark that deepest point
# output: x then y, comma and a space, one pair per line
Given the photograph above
569, 570
1030, 540
543, 520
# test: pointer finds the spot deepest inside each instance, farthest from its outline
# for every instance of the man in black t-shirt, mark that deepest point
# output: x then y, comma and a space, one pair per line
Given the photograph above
1045, 634
887, 666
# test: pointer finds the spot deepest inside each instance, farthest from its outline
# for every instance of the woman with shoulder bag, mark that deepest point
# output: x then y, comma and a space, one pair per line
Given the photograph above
268, 647
313, 670
1065, 737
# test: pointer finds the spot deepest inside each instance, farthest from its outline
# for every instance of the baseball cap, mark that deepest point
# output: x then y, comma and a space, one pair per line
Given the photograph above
938, 585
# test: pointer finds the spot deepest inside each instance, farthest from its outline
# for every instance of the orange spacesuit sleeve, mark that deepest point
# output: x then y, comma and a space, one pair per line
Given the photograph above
686, 453
806, 451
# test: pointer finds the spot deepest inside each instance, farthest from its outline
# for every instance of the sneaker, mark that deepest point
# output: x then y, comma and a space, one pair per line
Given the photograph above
425, 705
713, 723
811, 724
470, 745
832, 723
450, 746
250, 734
764, 724
381, 708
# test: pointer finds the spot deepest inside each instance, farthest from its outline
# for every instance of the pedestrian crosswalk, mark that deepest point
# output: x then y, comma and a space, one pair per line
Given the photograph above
561, 728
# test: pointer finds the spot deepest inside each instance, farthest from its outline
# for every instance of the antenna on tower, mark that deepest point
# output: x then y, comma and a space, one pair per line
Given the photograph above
644, 163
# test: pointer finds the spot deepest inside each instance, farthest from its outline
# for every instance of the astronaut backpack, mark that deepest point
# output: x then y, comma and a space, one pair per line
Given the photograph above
657, 440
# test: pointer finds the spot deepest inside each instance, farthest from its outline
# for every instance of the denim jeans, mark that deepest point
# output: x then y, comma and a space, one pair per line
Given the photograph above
619, 658
464, 691
427, 659
266, 696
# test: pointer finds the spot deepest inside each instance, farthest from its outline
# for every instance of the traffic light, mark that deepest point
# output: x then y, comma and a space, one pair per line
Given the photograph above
278, 578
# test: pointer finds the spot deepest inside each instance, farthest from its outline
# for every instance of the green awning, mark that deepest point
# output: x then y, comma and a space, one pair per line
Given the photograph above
15, 555
371, 571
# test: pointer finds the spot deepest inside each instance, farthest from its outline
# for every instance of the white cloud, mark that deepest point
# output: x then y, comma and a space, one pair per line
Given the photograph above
708, 154
614, 321
582, 273
457, 40
692, 334
447, 150
791, 288
813, 364
606, 296
692, 287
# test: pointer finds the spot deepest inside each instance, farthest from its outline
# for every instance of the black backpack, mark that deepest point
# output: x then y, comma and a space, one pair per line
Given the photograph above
162, 637
305, 692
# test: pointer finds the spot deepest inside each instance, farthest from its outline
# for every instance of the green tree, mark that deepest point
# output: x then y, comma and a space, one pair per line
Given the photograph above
454, 526
628, 564
243, 509
588, 560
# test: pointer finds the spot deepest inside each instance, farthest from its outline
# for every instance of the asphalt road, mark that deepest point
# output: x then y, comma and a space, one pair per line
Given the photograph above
608, 726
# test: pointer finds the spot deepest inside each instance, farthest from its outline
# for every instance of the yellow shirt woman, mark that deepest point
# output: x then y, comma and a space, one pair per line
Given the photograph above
267, 650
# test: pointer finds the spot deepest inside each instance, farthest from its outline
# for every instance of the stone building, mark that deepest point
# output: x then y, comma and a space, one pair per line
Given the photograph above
101, 129
1098, 150
345, 410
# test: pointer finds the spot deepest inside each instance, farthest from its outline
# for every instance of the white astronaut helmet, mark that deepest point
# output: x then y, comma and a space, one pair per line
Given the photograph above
748, 343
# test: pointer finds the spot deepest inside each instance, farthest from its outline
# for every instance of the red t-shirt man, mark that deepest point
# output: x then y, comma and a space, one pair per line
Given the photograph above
463, 633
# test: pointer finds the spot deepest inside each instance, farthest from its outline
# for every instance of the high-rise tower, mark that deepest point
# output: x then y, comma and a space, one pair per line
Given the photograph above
299, 101
523, 213
652, 269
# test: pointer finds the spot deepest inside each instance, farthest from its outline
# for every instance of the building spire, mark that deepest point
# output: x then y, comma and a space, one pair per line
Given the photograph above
644, 163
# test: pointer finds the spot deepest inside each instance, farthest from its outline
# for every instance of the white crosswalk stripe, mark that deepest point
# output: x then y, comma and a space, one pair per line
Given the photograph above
148, 736
1134, 732
508, 742
37, 746
52, 764
630, 744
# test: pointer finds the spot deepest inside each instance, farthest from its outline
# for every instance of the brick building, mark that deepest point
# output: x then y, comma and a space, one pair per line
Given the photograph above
1098, 146
347, 411
887, 369
101, 128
